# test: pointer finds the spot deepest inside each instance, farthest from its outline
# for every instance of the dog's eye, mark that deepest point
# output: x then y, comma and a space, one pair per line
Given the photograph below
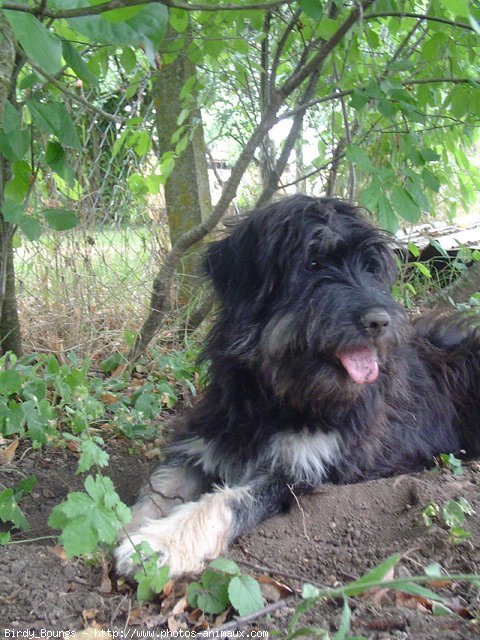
313, 264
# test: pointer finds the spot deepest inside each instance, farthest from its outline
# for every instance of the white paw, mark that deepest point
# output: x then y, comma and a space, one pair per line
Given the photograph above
192, 534
177, 554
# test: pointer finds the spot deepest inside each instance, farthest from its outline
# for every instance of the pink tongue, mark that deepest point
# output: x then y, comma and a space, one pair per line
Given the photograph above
361, 365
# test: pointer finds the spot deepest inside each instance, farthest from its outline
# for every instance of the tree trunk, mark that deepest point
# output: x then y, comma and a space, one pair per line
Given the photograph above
187, 192
10, 338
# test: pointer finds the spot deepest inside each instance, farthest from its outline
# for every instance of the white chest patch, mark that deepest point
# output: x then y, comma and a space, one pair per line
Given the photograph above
304, 456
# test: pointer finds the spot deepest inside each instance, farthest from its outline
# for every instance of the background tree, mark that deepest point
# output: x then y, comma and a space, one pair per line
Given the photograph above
387, 91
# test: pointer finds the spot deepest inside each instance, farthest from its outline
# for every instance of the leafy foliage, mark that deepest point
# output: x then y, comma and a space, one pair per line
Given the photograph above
376, 578
87, 519
223, 584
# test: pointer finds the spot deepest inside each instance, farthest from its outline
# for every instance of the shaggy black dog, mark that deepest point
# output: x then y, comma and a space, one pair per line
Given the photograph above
316, 376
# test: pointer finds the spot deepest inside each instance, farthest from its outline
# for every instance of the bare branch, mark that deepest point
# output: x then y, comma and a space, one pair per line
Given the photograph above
419, 16
73, 96
111, 5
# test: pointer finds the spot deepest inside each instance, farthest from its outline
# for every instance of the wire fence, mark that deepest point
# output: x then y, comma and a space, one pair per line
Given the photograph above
87, 289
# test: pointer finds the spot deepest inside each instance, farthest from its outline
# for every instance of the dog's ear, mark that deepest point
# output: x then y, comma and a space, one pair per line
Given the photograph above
231, 265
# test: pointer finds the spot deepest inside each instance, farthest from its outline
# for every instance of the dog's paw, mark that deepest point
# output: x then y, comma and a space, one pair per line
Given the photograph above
179, 554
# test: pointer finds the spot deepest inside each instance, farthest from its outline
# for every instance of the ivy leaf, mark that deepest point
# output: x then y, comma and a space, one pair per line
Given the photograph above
245, 594
40, 45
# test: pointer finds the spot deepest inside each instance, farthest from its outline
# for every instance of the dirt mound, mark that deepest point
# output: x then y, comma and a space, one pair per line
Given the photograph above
331, 537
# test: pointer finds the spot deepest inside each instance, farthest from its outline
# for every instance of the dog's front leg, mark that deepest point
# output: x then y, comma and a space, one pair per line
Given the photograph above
199, 531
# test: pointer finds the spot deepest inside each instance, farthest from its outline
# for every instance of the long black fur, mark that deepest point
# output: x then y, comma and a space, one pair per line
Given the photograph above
300, 282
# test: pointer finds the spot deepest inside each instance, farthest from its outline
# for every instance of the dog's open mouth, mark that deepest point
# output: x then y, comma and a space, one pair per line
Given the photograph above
361, 364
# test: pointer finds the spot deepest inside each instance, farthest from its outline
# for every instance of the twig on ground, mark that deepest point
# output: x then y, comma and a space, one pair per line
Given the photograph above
238, 622
304, 520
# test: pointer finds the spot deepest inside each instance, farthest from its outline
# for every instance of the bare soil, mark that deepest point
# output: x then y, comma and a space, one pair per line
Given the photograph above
329, 538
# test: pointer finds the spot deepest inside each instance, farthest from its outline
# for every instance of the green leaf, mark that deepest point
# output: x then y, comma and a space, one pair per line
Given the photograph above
386, 215
430, 180
11, 118
89, 518
79, 537
56, 158
179, 20
313, 8
54, 118
5, 537
10, 511
91, 454
404, 205
15, 145
10, 382
225, 565
60, 219
30, 227
39, 44
78, 64
457, 7
359, 157
151, 579
144, 26
245, 594
376, 575
344, 627
211, 593
19, 185
112, 362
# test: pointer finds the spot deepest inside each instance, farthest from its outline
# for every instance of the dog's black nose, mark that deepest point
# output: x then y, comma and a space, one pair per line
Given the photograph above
375, 321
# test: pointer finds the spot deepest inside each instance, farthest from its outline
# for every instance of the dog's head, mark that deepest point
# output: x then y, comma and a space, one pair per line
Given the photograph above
305, 289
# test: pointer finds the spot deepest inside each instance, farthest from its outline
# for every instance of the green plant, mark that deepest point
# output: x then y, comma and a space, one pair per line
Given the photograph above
223, 584
449, 461
10, 511
453, 516
376, 578
151, 578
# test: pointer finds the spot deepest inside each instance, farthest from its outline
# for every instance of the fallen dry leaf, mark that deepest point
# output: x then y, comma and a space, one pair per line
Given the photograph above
377, 594
89, 616
220, 619
195, 616
7, 454
58, 551
109, 398
275, 589
180, 607
175, 625
167, 589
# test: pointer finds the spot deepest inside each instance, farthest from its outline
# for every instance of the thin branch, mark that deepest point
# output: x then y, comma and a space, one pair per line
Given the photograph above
419, 16
236, 623
326, 48
120, 4
340, 94
88, 105
280, 46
